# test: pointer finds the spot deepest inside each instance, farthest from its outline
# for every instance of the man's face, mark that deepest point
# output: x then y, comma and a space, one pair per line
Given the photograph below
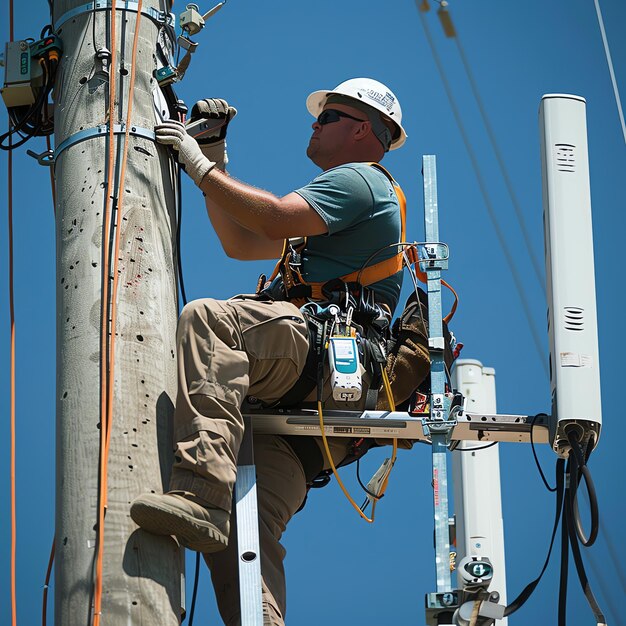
329, 141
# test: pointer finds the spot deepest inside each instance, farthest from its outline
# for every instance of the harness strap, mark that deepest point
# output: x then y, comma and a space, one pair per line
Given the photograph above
382, 269
298, 290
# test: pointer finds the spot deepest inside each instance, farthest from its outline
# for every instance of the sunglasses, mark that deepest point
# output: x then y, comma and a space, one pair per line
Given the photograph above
329, 116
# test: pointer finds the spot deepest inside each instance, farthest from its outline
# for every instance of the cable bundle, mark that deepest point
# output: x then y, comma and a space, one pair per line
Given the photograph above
35, 120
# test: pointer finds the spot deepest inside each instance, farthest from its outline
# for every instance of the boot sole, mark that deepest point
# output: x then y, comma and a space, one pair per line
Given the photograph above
191, 533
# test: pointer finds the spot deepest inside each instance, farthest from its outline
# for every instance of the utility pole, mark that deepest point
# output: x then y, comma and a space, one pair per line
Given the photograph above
141, 573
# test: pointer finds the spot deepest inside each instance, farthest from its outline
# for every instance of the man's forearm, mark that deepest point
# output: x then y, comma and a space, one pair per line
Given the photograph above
237, 241
254, 209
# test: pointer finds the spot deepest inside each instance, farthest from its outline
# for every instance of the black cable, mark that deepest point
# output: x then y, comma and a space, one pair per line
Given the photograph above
179, 191
562, 609
21, 123
194, 595
93, 28
569, 520
560, 492
358, 477
31, 123
501, 162
491, 211
489, 445
181, 284
581, 470
532, 447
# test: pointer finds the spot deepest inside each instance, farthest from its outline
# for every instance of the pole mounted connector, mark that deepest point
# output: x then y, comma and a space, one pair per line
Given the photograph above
192, 21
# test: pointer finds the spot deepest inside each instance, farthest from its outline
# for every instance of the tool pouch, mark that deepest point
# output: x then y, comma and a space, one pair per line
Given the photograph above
408, 357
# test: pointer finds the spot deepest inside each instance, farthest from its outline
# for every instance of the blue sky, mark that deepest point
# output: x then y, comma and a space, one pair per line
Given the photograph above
265, 58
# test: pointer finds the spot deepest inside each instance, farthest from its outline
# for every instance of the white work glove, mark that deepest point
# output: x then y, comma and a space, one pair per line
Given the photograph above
173, 133
213, 145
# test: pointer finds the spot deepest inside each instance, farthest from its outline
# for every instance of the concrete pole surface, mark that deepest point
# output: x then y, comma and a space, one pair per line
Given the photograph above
141, 572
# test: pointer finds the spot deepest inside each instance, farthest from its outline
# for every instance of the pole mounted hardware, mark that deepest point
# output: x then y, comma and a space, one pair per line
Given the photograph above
570, 276
30, 68
23, 74
161, 18
49, 157
192, 21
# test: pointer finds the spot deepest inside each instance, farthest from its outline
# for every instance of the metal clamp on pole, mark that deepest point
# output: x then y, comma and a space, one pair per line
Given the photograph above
160, 18
89, 133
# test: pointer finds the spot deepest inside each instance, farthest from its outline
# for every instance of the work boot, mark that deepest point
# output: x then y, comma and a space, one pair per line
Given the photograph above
197, 527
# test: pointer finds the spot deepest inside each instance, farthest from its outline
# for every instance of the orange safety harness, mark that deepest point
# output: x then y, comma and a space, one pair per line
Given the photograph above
299, 291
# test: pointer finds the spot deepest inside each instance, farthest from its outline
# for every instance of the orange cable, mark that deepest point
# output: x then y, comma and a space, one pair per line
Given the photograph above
12, 384
106, 425
104, 313
12, 357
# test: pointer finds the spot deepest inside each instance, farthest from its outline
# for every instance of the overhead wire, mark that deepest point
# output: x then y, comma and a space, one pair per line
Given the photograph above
483, 189
609, 61
500, 159
532, 447
608, 594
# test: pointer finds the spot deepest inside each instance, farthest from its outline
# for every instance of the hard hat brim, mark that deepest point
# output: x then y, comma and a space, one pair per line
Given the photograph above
316, 101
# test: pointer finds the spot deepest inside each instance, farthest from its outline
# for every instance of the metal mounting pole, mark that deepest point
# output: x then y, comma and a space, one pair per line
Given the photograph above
439, 425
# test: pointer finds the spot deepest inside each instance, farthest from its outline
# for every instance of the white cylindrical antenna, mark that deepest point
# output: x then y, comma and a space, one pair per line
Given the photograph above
213, 11
477, 497
572, 321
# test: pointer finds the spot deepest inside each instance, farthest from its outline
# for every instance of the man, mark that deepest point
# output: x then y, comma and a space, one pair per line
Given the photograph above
257, 346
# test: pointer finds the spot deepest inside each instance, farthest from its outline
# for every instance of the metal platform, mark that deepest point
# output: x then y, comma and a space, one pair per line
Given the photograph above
391, 425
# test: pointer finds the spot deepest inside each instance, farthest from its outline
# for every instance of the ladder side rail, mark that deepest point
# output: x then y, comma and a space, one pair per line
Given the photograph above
248, 543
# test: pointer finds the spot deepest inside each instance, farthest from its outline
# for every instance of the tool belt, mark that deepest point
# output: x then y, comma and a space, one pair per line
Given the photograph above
371, 322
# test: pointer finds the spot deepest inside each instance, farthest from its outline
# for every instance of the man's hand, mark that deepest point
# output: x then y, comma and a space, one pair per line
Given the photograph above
213, 144
173, 133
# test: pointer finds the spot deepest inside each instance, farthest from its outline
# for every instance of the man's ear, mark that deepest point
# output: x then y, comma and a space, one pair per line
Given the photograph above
363, 130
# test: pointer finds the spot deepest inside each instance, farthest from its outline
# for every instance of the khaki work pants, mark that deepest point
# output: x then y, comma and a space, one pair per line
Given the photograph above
228, 350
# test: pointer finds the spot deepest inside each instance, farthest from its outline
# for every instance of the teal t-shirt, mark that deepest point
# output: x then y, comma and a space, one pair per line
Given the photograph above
360, 208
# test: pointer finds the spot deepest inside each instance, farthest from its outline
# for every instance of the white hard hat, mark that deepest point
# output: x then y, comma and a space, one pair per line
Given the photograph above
370, 92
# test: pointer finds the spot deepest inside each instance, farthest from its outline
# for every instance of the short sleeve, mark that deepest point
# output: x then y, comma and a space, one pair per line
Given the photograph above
341, 196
